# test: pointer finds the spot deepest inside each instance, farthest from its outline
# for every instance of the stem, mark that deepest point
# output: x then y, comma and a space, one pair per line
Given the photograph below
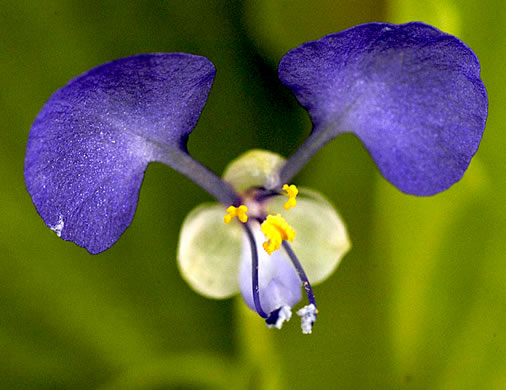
259, 352
179, 370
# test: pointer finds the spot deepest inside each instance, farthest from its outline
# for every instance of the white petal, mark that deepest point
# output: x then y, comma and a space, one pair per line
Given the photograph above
209, 251
254, 168
322, 239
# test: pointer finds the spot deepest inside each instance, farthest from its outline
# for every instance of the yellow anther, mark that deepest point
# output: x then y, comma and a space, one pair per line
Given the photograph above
276, 229
239, 212
291, 192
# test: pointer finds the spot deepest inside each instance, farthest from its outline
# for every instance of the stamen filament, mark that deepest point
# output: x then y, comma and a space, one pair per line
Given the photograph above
254, 271
302, 274
308, 313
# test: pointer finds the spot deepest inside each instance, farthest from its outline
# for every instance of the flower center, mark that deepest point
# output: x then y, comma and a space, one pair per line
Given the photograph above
277, 232
250, 175
274, 227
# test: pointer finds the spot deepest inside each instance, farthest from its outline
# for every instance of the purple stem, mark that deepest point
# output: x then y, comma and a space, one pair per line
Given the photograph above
182, 162
296, 161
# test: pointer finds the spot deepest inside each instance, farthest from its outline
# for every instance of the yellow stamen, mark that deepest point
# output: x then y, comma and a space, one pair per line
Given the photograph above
291, 192
239, 212
276, 229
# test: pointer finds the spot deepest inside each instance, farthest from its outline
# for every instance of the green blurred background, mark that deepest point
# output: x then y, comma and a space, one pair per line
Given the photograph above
419, 302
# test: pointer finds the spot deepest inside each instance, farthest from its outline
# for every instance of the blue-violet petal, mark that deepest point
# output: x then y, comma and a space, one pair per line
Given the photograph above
410, 92
92, 141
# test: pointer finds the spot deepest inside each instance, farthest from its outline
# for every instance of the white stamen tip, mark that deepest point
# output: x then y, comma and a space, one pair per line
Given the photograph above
58, 227
284, 314
308, 317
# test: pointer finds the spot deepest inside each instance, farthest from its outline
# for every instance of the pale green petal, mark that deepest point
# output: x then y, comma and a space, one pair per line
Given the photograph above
209, 251
322, 239
252, 169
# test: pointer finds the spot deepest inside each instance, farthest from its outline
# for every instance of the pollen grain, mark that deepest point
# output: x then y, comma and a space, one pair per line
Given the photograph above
291, 192
276, 229
239, 212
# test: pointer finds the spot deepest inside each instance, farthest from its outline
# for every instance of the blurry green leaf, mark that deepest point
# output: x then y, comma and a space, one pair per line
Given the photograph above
193, 370
277, 26
445, 254
428, 247
443, 14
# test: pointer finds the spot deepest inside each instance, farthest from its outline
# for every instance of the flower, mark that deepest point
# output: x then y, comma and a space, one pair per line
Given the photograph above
411, 93
217, 260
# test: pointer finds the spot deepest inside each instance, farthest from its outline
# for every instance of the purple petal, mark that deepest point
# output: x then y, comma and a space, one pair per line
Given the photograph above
410, 92
91, 143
